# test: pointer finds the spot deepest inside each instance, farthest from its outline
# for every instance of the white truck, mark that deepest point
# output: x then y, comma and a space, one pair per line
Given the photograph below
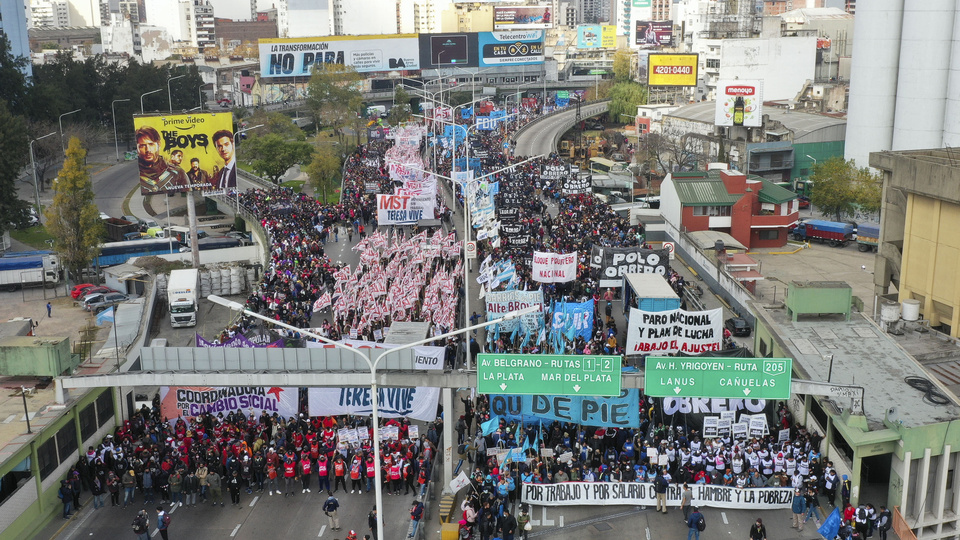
182, 294
29, 268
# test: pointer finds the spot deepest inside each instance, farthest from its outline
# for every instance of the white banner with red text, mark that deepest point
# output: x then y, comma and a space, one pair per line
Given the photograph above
554, 267
643, 494
419, 403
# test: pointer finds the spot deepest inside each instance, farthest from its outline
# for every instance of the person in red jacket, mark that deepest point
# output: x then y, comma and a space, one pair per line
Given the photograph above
356, 468
323, 472
371, 472
339, 473
289, 476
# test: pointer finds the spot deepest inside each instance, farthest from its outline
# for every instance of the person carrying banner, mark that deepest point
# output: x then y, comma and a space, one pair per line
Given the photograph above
660, 485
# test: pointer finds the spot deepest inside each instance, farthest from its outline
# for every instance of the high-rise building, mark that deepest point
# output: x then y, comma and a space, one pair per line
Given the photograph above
13, 25
904, 77
368, 17
204, 23
304, 18
83, 12
47, 13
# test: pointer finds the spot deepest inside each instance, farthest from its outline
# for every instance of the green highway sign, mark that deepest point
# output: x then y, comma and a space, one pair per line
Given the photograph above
553, 374
744, 378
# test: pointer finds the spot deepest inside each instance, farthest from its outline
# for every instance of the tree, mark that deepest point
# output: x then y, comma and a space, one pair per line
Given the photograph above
275, 122
334, 97
671, 150
13, 83
400, 112
624, 99
14, 154
46, 152
839, 188
622, 61
271, 155
324, 170
73, 218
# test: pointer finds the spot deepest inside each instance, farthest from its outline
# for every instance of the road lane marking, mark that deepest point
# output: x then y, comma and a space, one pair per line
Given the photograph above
648, 533
561, 521
546, 522
254, 501
321, 531
235, 529
724, 516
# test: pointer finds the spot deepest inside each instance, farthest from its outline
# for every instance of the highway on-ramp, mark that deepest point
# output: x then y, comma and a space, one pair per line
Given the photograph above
541, 137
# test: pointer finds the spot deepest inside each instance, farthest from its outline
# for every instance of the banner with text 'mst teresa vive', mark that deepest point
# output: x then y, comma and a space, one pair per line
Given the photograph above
189, 401
418, 403
642, 494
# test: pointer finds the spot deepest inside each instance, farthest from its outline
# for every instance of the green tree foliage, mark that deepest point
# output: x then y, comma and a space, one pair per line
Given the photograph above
624, 99
400, 112
840, 188
13, 83
14, 154
334, 96
275, 122
73, 219
324, 170
622, 61
271, 155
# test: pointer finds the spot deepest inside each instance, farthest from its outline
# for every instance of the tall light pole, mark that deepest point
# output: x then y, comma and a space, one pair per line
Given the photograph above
374, 397
235, 135
33, 166
62, 147
169, 97
147, 94
113, 111
200, 91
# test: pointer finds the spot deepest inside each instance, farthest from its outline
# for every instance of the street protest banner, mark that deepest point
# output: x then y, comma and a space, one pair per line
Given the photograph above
685, 405
399, 210
507, 214
621, 412
185, 152
554, 172
187, 401
554, 267
510, 199
428, 357
574, 184
515, 234
423, 195
499, 303
573, 319
238, 341
418, 403
642, 494
615, 263
674, 331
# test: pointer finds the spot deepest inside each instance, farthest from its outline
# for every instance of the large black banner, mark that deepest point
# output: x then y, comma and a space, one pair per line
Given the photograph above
515, 234
508, 214
510, 199
615, 263
554, 172
576, 183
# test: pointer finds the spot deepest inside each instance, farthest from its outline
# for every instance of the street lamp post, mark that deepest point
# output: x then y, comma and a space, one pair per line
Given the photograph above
235, 135
33, 167
169, 96
62, 147
147, 94
113, 111
374, 397
200, 91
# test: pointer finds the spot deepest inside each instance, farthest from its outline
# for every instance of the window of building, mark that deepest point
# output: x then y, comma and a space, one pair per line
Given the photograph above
713, 63
768, 234
104, 408
47, 457
712, 211
67, 442
88, 421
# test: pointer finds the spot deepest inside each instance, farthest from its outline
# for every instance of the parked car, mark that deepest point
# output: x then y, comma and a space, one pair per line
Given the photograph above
89, 294
131, 219
147, 224
738, 326
804, 202
135, 235
77, 290
107, 300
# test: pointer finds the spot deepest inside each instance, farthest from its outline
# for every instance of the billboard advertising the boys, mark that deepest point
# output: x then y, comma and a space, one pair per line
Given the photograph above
186, 152
291, 57
595, 36
653, 33
522, 18
739, 103
517, 48
448, 50
672, 69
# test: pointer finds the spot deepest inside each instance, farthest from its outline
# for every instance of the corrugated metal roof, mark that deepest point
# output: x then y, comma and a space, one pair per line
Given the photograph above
703, 192
772, 193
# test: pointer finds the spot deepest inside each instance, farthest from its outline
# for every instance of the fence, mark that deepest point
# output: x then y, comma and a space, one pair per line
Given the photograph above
900, 526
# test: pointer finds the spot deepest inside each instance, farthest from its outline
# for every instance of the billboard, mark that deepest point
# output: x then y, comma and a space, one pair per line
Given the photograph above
448, 50
522, 17
672, 69
290, 57
517, 48
739, 103
594, 36
653, 33
184, 152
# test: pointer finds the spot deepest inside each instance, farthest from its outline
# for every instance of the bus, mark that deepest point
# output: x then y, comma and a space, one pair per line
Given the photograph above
113, 253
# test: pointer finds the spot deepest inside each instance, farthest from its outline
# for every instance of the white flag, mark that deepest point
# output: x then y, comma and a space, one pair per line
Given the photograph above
459, 482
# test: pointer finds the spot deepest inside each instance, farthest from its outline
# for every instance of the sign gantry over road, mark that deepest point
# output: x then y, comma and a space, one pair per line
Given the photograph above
553, 374
753, 378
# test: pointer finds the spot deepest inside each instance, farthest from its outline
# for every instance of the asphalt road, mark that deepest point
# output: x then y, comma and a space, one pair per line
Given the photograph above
541, 138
